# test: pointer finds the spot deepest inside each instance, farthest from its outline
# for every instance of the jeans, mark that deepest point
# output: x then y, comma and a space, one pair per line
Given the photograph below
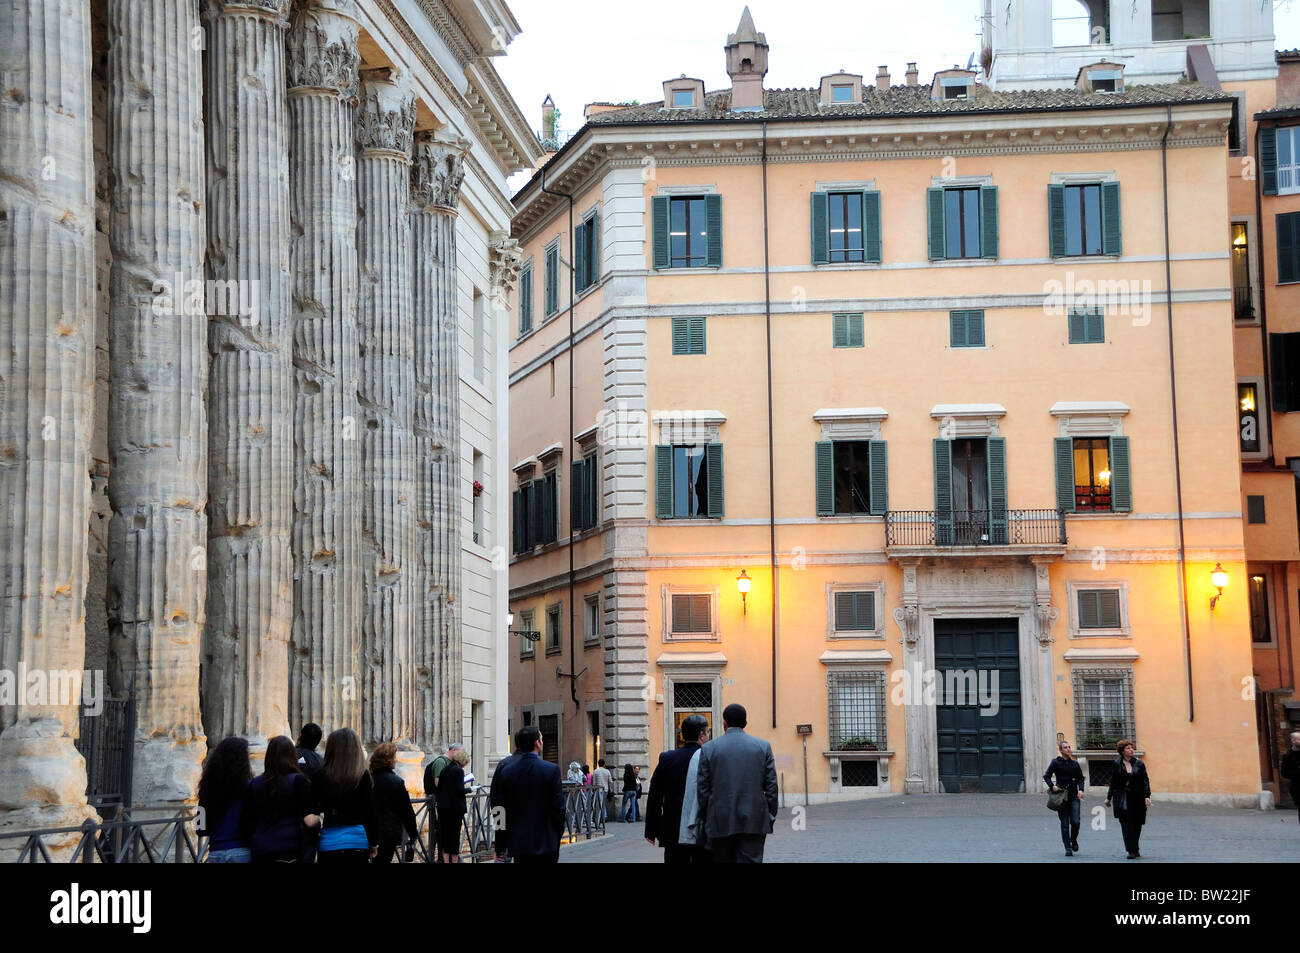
631, 805
1069, 815
235, 855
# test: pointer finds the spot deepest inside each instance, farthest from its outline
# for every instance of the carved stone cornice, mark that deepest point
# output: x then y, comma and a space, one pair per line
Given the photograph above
277, 10
386, 116
321, 47
505, 259
438, 171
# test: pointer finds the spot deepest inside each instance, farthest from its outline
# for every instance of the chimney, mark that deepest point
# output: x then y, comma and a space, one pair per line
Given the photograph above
882, 77
548, 118
746, 64
913, 75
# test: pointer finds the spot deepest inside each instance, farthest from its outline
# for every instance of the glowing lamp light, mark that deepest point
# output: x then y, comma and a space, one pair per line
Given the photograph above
1248, 401
1240, 240
742, 585
510, 619
1220, 579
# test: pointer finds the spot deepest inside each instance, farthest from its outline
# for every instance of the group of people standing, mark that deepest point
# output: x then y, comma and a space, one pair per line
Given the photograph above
303, 809
1129, 793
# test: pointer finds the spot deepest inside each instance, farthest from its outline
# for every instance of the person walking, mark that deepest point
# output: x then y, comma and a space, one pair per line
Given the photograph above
1130, 790
631, 793
528, 791
451, 805
1065, 774
280, 806
223, 796
1291, 768
499, 844
737, 791
602, 780
393, 811
344, 796
663, 808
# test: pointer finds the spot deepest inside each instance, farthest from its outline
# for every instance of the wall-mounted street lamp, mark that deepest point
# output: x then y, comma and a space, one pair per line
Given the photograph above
532, 635
742, 583
1220, 579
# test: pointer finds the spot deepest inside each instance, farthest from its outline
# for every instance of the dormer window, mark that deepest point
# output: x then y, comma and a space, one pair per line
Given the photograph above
955, 83
1101, 78
955, 88
842, 93
683, 98
840, 89
1105, 82
683, 93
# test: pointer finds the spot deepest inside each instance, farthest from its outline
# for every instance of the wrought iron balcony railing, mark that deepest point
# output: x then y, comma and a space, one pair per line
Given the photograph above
974, 528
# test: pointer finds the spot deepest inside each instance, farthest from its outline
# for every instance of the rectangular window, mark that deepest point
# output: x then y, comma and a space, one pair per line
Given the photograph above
1284, 361
966, 328
687, 233
1092, 474
1098, 608
552, 279
961, 220
1288, 160
852, 476
857, 711
1260, 630
855, 611
683, 98
845, 217
535, 513
691, 698
1248, 418
859, 774
1243, 305
690, 481
1103, 81
847, 330
1255, 509
955, 88
480, 336
691, 613
1082, 220
552, 629
1103, 708
1087, 327
584, 493
522, 527
1288, 247
549, 726
526, 300
842, 94
586, 241
525, 644
478, 489
591, 611
688, 335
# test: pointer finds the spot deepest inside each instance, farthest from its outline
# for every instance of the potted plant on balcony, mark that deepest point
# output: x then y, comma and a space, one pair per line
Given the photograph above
478, 488
857, 743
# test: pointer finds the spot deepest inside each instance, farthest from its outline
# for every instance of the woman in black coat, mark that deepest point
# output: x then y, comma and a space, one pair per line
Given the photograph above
1130, 790
450, 796
1065, 774
393, 811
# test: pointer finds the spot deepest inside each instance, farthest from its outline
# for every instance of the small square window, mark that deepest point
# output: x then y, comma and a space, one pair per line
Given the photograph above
842, 94
683, 98
966, 328
1098, 608
689, 614
1087, 327
688, 335
855, 611
847, 330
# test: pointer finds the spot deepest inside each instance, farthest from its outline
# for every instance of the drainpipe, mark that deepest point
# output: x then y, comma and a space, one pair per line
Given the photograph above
1263, 310
573, 651
771, 452
1173, 400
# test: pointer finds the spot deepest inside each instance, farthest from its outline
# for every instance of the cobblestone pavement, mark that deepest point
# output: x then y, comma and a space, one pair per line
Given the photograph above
937, 828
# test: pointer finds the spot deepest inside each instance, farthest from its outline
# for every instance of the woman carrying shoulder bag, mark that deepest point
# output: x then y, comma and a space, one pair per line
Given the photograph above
1064, 775
1130, 789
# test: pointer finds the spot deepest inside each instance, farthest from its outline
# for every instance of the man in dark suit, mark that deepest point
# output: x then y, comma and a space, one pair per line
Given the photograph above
737, 791
663, 811
528, 790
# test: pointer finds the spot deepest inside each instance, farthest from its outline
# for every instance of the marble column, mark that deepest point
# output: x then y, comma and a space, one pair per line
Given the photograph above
439, 170
250, 393
47, 344
157, 426
325, 640
385, 125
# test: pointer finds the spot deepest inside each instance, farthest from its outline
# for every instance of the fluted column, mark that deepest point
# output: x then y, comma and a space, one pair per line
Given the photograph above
385, 124
158, 374
436, 177
250, 393
322, 79
47, 338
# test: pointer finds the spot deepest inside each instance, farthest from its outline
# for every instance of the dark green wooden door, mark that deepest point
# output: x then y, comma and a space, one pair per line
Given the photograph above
978, 751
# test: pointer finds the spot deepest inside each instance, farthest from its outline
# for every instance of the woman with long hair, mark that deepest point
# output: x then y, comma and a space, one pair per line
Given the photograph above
1065, 774
280, 804
1130, 789
223, 795
393, 809
345, 801
451, 805
631, 793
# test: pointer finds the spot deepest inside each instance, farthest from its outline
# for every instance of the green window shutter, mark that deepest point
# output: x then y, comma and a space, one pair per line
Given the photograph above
593, 248
1108, 609
593, 489
824, 473
840, 330
988, 221
943, 528
552, 281
1111, 243
871, 246
580, 257
577, 488
526, 300
1089, 608
997, 463
519, 530
1287, 267
663, 482
713, 458
975, 328
1095, 328
855, 611
713, 215
878, 467
532, 506
695, 335
681, 344
855, 336
1063, 452
659, 227
1121, 488
1268, 159
934, 210
1056, 220
820, 229
1077, 331
957, 328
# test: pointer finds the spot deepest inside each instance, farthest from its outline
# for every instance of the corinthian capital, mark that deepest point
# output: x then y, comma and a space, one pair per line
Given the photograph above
439, 170
277, 10
505, 258
386, 117
322, 47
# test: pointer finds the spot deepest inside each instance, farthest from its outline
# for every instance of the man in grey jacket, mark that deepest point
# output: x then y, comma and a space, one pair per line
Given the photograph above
736, 786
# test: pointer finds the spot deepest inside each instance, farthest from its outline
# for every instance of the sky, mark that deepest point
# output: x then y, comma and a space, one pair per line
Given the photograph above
583, 51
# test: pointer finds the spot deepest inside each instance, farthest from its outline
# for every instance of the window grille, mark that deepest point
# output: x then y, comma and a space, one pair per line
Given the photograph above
857, 710
1103, 708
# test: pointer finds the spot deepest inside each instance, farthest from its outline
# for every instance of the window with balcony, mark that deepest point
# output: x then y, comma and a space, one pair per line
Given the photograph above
687, 231
688, 481
1243, 304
